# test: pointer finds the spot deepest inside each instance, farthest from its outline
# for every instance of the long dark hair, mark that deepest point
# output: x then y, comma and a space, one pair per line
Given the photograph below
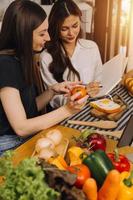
60, 11
20, 19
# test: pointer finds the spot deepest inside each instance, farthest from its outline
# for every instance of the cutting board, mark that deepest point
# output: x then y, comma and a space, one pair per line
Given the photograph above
26, 149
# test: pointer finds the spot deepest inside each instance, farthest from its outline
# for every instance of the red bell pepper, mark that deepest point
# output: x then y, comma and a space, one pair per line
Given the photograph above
120, 162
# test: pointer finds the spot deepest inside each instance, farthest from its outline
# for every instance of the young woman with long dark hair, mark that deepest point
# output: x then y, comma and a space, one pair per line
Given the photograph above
67, 56
23, 35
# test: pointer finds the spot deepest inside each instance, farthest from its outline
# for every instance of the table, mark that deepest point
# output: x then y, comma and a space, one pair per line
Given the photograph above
85, 115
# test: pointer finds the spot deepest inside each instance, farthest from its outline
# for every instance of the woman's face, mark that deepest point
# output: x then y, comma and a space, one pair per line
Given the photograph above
40, 36
70, 29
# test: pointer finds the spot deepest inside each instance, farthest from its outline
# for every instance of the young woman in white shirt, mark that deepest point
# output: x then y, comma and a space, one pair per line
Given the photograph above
67, 57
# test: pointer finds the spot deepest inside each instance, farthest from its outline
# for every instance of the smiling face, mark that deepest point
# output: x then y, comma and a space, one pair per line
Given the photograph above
40, 36
70, 29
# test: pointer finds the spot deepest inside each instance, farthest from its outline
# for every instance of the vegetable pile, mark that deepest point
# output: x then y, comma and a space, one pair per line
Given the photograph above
24, 182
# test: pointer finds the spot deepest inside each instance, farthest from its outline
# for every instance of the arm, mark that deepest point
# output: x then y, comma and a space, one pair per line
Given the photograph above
17, 117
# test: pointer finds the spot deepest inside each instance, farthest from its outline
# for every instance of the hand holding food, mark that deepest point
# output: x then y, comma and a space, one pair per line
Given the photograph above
93, 88
78, 97
63, 87
80, 91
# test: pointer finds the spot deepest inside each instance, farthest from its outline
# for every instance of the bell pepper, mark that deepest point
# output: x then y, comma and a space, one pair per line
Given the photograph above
74, 153
99, 165
126, 186
119, 161
58, 162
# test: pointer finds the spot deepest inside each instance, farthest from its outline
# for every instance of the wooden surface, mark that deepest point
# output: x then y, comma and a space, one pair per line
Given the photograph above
27, 149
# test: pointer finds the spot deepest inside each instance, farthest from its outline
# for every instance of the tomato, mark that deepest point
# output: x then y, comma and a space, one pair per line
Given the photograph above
82, 172
81, 89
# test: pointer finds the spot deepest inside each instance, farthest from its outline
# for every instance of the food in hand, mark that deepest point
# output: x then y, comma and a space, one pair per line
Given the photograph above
77, 89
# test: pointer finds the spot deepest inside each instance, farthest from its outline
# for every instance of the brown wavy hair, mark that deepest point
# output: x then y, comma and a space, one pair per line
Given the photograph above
20, 19
60, 11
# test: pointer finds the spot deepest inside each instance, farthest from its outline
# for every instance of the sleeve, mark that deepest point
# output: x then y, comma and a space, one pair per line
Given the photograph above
9, 73
47, 76
46, 59
98, 68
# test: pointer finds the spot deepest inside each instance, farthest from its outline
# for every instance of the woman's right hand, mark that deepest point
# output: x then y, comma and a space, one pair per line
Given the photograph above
76, 105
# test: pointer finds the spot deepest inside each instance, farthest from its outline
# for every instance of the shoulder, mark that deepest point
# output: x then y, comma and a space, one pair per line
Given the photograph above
5, 59
87, 44
46, 57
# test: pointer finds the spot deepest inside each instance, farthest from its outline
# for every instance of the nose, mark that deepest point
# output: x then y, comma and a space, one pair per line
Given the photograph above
70, 32
47, 37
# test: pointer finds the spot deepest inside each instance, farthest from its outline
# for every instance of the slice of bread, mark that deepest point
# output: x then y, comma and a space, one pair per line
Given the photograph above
106, 105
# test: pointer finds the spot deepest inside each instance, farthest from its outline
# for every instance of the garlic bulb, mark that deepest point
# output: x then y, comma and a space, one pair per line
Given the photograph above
44, 143
55, 135
46, 153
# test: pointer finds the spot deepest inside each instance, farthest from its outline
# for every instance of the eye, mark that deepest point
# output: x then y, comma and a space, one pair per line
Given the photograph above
64, 29
42, 34
75, 26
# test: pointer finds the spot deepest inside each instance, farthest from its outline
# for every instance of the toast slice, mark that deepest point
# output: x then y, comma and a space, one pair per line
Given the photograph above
106, 105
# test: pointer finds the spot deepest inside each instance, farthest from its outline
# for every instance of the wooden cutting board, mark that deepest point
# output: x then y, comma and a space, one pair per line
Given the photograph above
27, 148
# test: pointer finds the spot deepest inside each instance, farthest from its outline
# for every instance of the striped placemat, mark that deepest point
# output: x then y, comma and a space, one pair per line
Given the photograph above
85, 115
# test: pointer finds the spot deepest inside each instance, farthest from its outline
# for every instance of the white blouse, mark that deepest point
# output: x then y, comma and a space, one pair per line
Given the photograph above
86, 60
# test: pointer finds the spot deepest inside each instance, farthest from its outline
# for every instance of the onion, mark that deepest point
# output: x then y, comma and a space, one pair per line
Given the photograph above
55, 135
46, 153
44, 143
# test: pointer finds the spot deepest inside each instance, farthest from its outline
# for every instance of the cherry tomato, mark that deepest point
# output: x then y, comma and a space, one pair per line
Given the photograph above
82, 172
81, 89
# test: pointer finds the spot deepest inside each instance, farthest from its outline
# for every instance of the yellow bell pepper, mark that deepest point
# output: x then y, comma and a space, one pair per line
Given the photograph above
126, 186
58, 162
74, 153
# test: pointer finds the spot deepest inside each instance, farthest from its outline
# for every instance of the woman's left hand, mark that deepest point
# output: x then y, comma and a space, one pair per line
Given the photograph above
63, 87
93, 88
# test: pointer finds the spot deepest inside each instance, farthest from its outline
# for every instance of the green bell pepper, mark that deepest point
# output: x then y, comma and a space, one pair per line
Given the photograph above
99, 165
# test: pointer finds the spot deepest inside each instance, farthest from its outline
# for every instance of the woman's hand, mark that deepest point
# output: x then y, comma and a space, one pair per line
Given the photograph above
93, 88
63, 87
75, 103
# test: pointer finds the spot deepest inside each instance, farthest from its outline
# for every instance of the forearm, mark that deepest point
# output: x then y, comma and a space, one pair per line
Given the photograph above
34, 125
44, 99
